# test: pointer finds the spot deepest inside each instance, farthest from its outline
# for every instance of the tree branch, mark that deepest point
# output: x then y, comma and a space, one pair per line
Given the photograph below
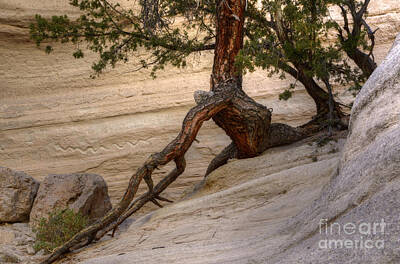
175, 150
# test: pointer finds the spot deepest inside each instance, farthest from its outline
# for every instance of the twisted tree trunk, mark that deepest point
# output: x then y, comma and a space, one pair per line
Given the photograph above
363, 61
245, 121
322, 99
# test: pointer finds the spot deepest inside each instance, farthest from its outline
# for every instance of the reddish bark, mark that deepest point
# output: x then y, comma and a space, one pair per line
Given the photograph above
246, 122
175, 150
229, 41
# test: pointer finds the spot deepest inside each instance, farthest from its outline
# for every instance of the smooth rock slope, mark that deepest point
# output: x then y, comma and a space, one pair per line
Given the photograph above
263, 211
233, 218
365, 191
54, 119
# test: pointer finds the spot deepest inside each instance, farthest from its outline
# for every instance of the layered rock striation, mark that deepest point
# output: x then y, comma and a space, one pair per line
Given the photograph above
55, 119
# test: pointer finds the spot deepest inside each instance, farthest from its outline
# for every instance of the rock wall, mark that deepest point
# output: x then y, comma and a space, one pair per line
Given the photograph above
364, 193
55, 119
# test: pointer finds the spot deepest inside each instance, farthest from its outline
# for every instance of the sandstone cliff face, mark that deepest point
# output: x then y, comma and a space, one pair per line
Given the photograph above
55, 119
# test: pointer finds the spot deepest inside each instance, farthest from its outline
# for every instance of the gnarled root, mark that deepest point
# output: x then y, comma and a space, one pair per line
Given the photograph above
148, 196
244, 120
175, 150
279, 134
230, 152
322, 120
282, 134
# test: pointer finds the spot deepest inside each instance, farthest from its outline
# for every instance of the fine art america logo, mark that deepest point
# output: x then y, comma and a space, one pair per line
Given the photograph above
355, 236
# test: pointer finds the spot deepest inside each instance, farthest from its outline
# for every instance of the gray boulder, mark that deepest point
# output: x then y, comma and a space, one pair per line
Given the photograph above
81, 192
356, 219
17, 192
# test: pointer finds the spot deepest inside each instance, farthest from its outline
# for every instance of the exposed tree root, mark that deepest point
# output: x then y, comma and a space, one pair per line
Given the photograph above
231, 108
282, 134
230, 152
175, 150
321, 121
148, 196
279, 134
245, 121
329, 115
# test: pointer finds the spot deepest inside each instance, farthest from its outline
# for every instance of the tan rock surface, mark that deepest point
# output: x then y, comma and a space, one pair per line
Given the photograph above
17, 193
16, 243
55, 119
269, 209
6, 237
228, 221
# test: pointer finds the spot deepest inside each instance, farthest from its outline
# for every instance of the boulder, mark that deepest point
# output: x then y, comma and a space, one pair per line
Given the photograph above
356, 217
81, 192
17, 192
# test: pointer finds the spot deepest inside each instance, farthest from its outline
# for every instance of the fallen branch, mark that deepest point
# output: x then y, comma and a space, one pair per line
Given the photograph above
148, 196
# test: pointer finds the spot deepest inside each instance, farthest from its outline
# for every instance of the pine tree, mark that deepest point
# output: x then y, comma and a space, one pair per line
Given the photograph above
116, 34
